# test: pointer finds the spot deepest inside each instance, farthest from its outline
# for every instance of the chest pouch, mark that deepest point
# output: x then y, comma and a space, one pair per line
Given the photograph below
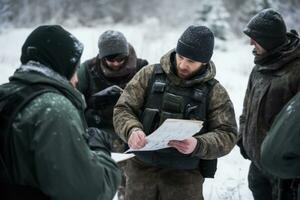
172, 107
158, 87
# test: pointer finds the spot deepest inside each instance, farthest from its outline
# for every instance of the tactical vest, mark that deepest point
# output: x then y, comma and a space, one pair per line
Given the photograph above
165, 100
99, 114
93, 114
10, 105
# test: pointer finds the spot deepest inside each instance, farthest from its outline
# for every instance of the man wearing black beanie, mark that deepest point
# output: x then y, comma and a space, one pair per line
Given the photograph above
46, 148
181, 86
274, 80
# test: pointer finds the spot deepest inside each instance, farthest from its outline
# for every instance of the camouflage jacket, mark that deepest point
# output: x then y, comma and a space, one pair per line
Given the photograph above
221, 135
272, 83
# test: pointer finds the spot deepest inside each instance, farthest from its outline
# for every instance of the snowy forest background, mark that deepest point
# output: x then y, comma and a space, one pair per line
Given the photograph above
221, 15
153, 28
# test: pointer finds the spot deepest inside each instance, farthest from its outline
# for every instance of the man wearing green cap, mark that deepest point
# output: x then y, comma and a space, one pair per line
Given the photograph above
273, 81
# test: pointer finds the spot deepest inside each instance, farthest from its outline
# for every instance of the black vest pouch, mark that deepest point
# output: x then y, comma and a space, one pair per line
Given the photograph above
172, 107
168, 158
171, 158
158, 87
150, 116
173, 103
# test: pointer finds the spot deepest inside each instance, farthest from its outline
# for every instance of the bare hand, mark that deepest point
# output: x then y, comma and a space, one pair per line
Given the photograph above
137, 139
186, 146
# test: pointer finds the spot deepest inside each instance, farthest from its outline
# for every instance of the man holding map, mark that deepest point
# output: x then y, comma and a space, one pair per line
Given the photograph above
181, 87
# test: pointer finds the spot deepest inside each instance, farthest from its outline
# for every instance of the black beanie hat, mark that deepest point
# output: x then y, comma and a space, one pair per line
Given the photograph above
267, 28
53, 47
196, 43
112, 43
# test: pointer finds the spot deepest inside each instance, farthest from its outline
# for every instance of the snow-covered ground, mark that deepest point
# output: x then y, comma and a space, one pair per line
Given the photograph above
233, 60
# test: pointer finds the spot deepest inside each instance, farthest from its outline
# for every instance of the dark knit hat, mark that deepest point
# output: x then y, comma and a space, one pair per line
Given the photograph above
267, 28
112, 43
53, 47
196, 43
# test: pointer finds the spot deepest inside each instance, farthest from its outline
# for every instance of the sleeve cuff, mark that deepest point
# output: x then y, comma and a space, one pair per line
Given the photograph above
198, 151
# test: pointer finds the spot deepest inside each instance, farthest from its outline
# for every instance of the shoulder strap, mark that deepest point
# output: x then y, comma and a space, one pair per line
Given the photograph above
153, 99
10, 105
210, 84
157, 75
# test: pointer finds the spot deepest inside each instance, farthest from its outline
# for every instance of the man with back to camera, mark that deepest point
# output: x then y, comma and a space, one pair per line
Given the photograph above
45, 147
182, 86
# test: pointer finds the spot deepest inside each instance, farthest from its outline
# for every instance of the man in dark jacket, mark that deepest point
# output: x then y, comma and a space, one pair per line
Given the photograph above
102, 79
182, 86
44, 149
280, 151
113, 67
273, 82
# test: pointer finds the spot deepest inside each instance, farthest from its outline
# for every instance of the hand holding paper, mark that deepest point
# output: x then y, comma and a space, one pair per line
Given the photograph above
137, 139
171, 129
186, 146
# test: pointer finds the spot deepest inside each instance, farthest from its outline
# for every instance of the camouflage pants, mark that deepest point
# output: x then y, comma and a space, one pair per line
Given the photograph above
262, 185
151, 183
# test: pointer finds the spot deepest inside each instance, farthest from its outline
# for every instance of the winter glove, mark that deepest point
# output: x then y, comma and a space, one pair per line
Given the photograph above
242, 150
99, 140
108, 96
113, 90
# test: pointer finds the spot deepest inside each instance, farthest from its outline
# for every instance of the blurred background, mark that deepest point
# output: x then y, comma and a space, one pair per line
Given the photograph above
221, 15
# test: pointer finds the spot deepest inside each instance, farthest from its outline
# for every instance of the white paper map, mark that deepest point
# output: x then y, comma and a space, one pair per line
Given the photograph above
171, 129
119, 157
